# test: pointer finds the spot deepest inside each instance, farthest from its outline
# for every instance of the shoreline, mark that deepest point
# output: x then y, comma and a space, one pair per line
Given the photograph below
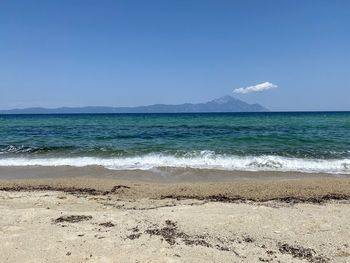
229, 187
162, 174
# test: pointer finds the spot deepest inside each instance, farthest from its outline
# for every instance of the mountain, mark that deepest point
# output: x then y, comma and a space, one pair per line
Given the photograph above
223, 104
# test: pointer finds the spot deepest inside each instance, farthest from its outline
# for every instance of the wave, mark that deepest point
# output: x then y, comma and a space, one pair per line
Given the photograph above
205, 160
17, 149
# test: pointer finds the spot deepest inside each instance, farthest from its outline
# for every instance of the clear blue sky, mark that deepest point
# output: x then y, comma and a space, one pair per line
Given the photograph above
126, 53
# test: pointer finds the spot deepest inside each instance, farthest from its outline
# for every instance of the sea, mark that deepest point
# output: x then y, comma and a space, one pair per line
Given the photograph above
308, 142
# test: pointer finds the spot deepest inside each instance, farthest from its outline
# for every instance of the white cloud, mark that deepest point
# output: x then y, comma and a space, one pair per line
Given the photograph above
255, 88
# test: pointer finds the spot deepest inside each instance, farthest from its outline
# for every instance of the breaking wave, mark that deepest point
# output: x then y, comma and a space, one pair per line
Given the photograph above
204, 160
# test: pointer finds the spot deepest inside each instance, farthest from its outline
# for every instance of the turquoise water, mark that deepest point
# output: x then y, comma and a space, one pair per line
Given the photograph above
234, 141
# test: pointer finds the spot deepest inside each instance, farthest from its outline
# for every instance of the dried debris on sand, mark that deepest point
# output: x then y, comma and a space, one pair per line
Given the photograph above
107, 224
72, 219
302, 253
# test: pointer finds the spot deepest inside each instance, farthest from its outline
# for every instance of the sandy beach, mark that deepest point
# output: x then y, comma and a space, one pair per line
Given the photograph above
87, 219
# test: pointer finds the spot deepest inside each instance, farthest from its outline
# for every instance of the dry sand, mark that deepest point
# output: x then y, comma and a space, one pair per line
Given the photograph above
109, 220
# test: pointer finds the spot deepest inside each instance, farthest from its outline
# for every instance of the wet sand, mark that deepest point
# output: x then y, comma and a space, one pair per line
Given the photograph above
233, 217
179, 183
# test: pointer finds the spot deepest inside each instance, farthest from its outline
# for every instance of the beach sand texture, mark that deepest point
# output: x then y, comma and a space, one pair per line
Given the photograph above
119, 221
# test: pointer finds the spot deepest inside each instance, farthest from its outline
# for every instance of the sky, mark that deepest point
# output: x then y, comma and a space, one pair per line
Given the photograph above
129, 53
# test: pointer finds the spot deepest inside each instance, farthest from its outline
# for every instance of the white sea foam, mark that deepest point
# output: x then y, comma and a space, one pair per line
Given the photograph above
206, 160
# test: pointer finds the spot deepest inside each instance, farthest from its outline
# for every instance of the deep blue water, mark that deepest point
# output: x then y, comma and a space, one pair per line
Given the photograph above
319, 141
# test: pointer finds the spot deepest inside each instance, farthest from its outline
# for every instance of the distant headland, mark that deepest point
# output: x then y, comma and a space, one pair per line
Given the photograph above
223, 104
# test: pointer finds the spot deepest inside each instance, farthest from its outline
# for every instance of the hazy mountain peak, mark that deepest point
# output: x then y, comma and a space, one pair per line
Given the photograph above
224, 99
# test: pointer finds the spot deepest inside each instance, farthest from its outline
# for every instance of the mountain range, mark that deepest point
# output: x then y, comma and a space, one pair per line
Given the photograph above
223, 104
